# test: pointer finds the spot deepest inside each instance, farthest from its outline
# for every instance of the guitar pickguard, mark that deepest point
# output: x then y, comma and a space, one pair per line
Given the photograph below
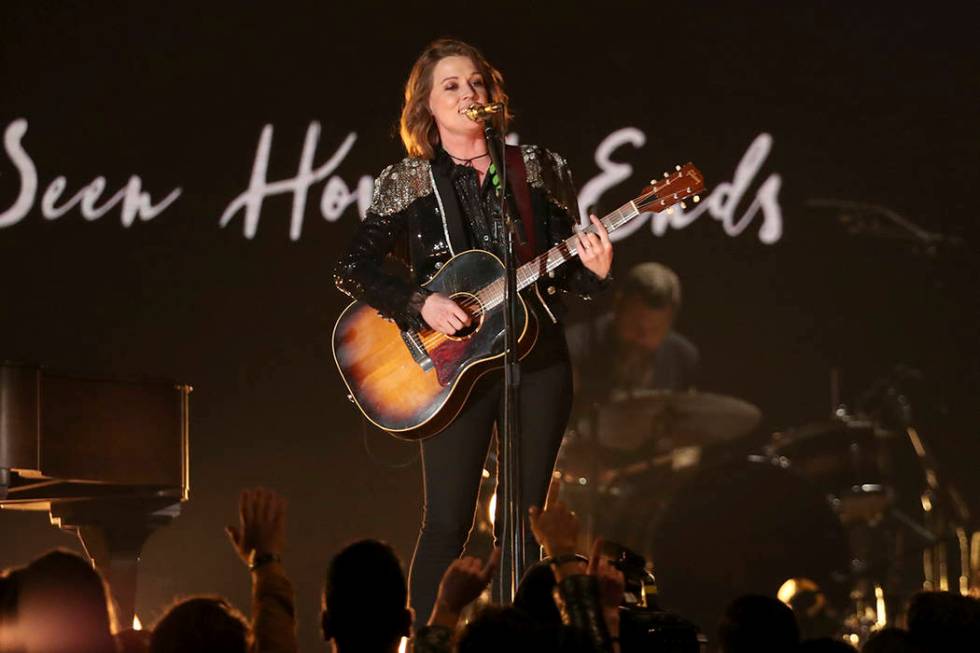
448, 358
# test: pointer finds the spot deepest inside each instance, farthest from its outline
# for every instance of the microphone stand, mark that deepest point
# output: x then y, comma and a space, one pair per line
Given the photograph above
513, 526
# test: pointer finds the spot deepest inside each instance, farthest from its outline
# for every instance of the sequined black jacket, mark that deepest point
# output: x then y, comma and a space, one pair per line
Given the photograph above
406, 221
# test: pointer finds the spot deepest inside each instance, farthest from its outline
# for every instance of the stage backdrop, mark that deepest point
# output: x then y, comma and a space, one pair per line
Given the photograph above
177, 180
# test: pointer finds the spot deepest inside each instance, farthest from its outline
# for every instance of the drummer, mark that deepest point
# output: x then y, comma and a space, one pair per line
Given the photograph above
634, 346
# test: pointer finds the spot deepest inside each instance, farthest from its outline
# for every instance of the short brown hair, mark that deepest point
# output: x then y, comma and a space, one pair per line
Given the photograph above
654, 284
417, 126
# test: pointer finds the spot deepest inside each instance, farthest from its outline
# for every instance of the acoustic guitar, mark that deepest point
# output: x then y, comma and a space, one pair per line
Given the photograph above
414, 383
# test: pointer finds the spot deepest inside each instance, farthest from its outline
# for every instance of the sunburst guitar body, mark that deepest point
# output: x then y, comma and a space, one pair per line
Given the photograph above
413, 384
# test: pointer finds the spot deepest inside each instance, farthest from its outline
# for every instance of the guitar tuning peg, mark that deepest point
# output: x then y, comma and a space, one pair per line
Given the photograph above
653, 181
683, 205
666, 175
697, 198
677, 168
670, 210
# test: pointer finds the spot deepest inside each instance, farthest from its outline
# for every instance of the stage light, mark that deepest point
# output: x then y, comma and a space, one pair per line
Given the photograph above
882, 616
787, 591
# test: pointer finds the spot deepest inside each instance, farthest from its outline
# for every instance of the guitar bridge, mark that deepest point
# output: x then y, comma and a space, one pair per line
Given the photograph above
417, 349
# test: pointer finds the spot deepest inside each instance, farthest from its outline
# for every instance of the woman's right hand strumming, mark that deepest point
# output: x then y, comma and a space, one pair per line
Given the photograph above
444, 315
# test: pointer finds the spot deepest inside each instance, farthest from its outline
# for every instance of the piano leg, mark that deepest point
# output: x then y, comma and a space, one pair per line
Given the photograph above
113, 533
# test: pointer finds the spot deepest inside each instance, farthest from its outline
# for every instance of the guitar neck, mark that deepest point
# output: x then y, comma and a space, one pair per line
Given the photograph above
659, 196
568, 249
493, 295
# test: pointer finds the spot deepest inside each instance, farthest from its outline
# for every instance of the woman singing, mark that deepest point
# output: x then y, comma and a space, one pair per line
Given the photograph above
435, 203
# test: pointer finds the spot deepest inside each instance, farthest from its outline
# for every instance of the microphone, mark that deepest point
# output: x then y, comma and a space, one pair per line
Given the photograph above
479, 112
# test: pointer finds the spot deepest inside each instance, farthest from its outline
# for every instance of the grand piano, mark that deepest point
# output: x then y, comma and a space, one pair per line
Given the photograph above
106, 459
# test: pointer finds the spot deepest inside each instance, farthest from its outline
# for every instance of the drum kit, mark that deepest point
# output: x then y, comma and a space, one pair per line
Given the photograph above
844, 519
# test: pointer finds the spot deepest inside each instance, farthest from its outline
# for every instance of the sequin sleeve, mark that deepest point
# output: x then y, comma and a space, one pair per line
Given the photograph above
577, 598
359, 272
550, 173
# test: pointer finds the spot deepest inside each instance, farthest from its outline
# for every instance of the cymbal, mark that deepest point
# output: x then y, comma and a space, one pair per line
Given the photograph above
674, 419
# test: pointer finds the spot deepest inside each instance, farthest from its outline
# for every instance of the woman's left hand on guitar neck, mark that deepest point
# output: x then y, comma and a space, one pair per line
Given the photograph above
595, 250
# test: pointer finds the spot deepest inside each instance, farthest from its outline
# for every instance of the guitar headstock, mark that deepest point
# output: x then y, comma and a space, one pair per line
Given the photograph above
662, 194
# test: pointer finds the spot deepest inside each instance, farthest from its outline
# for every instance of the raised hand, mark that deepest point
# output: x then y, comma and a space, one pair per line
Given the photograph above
465, 580
261, 524
444, 315
463, 583
555, 528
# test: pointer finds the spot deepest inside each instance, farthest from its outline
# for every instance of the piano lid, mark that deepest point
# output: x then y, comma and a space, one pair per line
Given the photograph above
66, 435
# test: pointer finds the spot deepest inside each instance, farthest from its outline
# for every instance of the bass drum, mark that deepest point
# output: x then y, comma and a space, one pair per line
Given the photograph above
744, 527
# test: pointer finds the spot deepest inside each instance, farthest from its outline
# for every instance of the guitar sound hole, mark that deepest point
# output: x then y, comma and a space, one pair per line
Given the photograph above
471, 305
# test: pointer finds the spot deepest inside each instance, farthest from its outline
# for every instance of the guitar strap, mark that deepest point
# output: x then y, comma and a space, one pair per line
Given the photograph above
521, 192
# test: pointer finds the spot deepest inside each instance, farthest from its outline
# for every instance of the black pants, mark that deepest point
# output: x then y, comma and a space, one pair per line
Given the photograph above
452, 461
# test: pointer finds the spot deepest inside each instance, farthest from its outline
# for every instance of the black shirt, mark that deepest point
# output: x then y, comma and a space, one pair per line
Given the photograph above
478, 203
604, 366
